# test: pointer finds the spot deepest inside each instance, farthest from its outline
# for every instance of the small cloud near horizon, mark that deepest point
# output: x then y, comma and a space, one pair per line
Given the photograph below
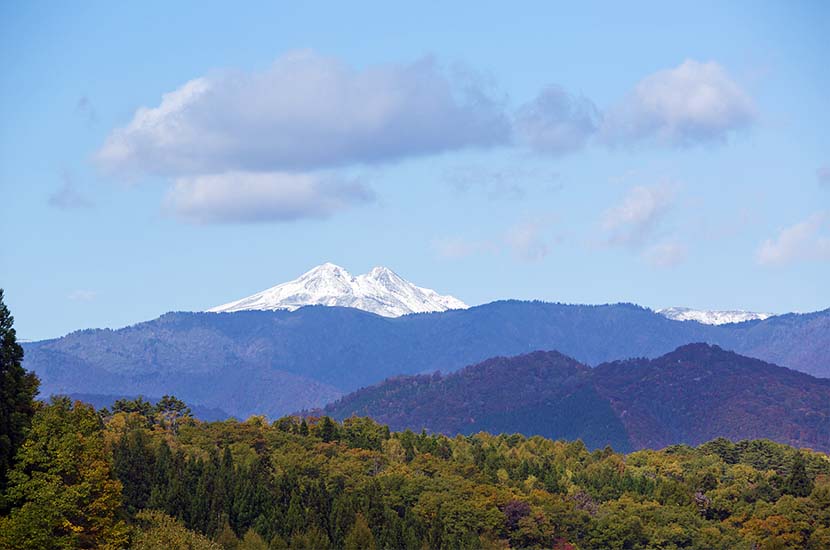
635, 219
807, 240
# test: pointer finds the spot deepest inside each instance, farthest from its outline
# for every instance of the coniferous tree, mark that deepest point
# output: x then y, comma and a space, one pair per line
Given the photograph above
227, 538
311, 539
17, 392
252, 541
328, 430
360, 537
133, 465
798, 482
163, 474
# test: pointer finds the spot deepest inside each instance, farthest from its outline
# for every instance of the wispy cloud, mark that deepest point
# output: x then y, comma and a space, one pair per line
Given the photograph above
262, 197
665, 254
556, 122
68, 197
693, 103
634, 220
808, 240
500, 183
82, 295
527, 240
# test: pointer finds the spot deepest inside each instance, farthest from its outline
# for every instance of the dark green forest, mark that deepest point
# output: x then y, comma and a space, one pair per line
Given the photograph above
150, 476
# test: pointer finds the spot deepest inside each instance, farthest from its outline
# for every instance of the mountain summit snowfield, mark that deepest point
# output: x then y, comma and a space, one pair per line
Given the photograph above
381, 291
711, 317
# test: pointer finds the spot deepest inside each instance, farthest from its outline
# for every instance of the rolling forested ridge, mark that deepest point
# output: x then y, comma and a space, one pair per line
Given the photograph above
150, 476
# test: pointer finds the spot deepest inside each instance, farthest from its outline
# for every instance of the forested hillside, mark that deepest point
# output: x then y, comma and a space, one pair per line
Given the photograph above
691, 395
149, 477
278, 362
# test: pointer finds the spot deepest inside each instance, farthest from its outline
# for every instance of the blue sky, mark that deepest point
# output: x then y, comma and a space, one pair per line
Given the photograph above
175, 156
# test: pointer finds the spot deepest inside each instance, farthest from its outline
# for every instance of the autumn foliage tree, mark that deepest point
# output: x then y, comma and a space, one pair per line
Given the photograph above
62, 486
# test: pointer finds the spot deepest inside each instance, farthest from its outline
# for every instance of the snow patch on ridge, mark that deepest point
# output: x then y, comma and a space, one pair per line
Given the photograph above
711, 317
381, 291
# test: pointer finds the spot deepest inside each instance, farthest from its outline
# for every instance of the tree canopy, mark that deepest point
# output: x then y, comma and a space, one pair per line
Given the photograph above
105, 479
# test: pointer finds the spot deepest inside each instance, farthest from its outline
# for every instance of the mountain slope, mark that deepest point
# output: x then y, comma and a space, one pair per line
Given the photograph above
546, 393
699, 392
381, 291
276, 362
691, 395
708, 317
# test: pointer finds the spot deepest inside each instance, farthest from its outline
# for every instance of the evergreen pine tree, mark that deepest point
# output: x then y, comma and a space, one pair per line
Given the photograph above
360, 537
252, 541
17, 392
328, 430
798, 482
133, 465
227, 538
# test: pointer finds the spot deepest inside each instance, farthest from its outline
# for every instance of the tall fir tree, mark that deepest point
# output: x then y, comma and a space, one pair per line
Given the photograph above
17, 393
360, 537
798, 483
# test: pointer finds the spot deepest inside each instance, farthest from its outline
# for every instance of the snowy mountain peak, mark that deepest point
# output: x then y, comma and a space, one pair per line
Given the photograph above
711, 317
381, 291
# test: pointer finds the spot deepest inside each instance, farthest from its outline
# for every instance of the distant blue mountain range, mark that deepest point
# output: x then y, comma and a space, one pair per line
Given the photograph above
277, 362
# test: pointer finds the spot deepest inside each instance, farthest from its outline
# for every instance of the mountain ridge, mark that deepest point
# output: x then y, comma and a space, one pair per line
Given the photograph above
276, 362
691, 395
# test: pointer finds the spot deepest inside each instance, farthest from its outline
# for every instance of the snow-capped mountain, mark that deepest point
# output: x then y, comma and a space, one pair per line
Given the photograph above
711, 317
381, 291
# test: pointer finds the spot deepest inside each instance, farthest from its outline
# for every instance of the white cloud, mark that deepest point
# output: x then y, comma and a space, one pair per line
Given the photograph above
692, 103
804, 241
665, 254
82, 295
634, 220
528, 240
262, 197
305, 112
556, 122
